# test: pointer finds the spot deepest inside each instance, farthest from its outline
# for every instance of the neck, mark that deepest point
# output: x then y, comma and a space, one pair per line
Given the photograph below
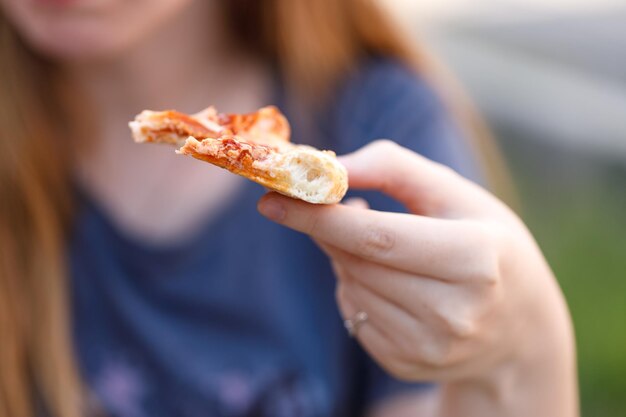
186, 64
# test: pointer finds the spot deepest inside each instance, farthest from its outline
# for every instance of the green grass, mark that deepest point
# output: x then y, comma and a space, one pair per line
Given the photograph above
581, 226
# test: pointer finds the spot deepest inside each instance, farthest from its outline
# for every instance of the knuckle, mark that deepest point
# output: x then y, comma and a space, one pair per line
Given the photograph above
489, 272
375, 242
387, 149
385, 146
486, 263
462, 327
459, 322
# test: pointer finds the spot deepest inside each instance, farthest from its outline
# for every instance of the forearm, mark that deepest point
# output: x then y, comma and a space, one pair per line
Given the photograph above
539, 381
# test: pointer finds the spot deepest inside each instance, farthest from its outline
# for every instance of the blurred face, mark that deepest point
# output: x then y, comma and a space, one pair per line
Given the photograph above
88, 29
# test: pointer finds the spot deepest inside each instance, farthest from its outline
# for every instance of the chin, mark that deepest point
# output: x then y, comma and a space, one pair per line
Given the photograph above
87, 29
74, 43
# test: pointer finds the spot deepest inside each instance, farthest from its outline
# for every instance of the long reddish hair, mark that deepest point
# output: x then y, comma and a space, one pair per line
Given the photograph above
313, 43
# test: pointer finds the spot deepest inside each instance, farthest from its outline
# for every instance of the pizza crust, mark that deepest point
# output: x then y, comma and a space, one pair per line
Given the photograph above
255, 146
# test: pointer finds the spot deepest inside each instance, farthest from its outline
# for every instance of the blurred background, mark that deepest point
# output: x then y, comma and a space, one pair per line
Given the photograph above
550, 77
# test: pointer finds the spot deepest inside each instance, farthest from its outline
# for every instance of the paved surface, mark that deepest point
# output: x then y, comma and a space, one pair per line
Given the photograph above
593, 43
561, 80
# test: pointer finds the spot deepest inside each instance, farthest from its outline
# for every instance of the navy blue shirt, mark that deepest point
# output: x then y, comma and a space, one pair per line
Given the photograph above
241, 320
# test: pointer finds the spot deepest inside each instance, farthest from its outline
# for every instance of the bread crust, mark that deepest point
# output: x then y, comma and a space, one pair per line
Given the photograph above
254, 145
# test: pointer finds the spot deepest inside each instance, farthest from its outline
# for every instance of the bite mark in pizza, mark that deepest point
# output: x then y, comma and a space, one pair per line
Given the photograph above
254, 145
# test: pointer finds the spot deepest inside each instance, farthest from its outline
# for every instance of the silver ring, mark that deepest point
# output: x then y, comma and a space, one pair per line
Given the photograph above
352, 325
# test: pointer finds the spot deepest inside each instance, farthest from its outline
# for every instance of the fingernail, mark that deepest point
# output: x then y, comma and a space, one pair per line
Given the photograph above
272, 209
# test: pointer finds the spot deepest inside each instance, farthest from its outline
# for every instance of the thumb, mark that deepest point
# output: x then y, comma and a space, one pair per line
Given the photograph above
423, 186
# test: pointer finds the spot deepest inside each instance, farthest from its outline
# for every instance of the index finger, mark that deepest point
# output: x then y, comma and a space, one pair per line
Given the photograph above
447, 249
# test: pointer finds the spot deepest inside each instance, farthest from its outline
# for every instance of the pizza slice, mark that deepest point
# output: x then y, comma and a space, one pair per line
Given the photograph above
254, 145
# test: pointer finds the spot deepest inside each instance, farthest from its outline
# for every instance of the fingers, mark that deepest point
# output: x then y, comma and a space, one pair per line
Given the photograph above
372, 334
452, 307
392, 321
423, 186
405, 346
416, 244
409, 292
413, 345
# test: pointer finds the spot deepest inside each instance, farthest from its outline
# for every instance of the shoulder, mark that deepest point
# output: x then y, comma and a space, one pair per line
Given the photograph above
383, 91
380, 77
386, 98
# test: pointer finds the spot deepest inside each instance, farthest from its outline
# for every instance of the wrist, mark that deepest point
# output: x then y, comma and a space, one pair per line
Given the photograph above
536, 377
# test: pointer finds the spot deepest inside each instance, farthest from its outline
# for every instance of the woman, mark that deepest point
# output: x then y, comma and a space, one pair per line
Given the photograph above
134, 282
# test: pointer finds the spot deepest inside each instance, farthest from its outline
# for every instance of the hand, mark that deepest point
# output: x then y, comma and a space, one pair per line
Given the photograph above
455, 292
